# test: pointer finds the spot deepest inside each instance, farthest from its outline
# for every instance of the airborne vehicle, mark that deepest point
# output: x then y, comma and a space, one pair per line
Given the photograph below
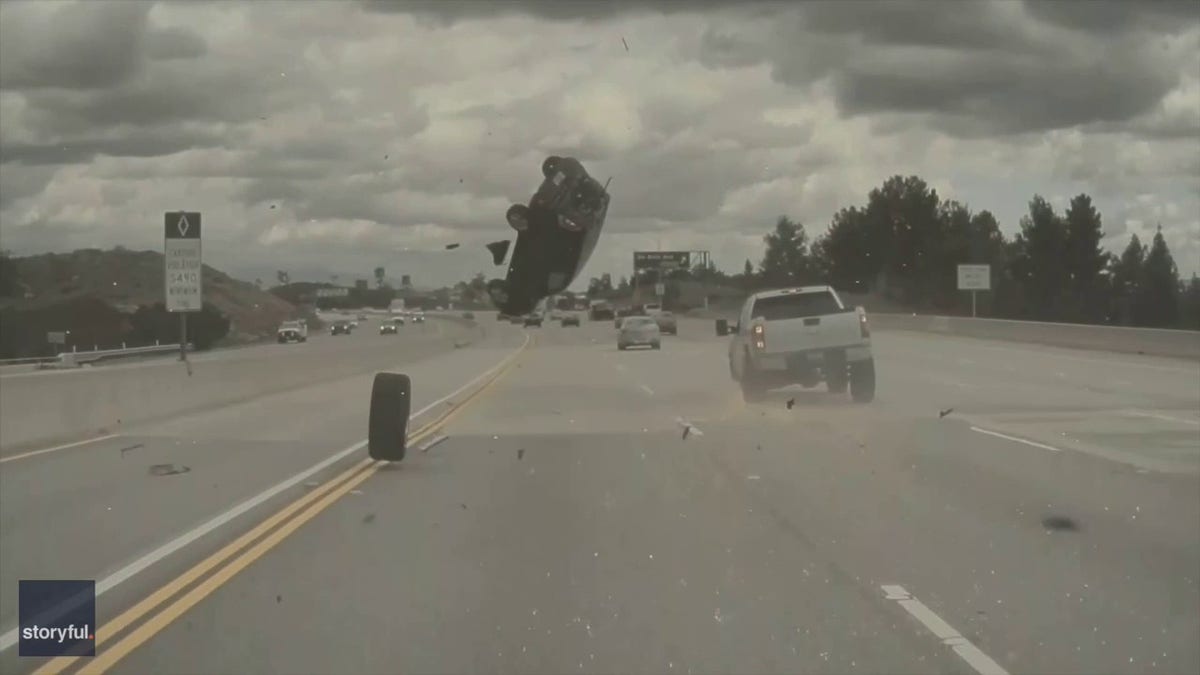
556, 233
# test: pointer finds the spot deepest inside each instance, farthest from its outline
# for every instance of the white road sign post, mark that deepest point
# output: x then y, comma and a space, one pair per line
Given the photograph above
183, 267
974, 278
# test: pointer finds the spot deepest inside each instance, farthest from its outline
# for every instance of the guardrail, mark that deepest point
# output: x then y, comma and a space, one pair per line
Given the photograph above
76, 359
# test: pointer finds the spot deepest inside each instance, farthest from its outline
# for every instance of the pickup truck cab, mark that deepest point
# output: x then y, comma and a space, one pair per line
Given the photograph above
802, 336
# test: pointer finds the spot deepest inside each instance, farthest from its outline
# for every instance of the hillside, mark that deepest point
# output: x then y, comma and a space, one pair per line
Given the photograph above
52, 286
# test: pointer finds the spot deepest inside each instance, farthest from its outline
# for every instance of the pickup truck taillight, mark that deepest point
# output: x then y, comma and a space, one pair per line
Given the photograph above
759, 332
863, 329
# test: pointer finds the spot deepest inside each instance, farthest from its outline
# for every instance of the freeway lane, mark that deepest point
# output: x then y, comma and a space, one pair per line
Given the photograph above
91, 510
565, 526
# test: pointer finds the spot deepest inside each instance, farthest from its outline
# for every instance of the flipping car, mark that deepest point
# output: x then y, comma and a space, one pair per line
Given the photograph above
556, 233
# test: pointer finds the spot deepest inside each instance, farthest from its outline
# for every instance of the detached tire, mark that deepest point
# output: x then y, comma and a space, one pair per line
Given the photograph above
550, 165
387, 429
862, 381
518, 217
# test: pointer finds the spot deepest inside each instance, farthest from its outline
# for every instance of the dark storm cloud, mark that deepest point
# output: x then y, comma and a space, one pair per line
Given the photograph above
83, 45
174, 43
82, 151
1116, 16
449, 11
28, 182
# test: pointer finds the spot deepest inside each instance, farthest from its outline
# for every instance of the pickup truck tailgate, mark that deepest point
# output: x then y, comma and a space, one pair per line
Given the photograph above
812, 332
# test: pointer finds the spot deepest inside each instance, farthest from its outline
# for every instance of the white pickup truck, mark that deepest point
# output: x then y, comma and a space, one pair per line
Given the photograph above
292, 331
800, 336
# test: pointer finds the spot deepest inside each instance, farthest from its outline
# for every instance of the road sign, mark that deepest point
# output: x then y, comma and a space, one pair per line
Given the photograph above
660, 288
974, 277
661, 260
183, 261
333, 292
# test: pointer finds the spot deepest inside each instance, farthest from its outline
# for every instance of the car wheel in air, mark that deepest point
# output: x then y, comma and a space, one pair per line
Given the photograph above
550, 165
518, 217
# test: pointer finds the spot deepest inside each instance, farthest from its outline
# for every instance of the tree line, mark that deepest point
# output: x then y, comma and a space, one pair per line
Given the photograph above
905, 244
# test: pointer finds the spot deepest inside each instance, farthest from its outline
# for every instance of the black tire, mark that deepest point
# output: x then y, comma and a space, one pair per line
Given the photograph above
836, 378
620, 348
656, 345
862, 381
387, 428
753, 389
550, 165
518, 217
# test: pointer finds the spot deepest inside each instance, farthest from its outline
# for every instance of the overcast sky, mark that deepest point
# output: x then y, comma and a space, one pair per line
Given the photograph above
326, 138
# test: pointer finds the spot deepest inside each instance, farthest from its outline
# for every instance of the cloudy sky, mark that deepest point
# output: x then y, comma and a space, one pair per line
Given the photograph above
329, 138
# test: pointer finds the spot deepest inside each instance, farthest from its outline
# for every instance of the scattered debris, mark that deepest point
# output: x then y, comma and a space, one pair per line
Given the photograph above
132, 447
625, 43
430, 444
791, 402
450, 247
688, 428
464, 506
278, 599
945, 412
168, 469
520, 453
272, 206
356, 492
1059, 523
754, 476
499, 249
368, 519
386, 156
758, 446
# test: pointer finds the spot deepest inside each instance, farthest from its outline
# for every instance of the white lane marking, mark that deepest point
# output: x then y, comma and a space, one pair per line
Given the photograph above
430, 444
646, 389
1160, 416
974, 656
56, 448
1017, 439
9, 638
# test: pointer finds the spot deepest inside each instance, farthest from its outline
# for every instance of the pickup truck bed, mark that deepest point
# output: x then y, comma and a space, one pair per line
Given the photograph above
801, 336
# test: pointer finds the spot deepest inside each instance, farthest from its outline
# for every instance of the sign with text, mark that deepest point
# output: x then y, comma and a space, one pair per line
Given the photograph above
181, 255
333, 292
56, 617
661, 260
974, 277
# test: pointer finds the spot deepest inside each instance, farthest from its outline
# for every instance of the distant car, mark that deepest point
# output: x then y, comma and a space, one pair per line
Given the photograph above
468, 315
570, 320
398, 320
418, 317
362, 317
292, 331
340, 328
639, 331
666, 323
533, 319
388, 328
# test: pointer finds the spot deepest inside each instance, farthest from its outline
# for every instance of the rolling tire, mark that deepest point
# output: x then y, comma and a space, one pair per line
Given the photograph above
551, 165
518, 217
387, 428
862, 381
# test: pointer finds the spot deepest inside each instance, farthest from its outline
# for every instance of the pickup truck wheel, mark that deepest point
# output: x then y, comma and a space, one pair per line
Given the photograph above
862, 381
753, 389
836, 378
518, 217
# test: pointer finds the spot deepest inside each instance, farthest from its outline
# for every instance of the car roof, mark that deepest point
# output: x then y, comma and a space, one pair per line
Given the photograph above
774, 293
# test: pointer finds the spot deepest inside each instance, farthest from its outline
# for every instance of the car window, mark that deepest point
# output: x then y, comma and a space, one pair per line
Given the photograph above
795, 306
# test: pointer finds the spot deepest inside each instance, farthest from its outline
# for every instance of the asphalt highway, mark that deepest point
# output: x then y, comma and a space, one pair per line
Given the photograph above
998, 508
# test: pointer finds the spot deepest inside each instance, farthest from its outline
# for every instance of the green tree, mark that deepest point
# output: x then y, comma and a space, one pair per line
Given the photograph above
1189, 305
379, 275
1158, 288
9, 281
786, 262
1084, 260
1039, 265
283, 277
846, 248
1126, 275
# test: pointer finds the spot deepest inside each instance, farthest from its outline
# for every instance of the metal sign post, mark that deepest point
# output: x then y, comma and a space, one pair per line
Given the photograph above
974, 278
183, 267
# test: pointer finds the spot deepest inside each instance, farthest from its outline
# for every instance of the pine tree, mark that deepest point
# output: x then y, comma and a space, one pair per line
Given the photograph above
1158, 296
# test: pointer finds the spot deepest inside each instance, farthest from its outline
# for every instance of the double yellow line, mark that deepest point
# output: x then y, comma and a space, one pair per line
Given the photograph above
291, 518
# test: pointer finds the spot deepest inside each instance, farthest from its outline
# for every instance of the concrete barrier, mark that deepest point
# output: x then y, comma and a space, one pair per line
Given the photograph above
51, 406
1152, 341
1183, 344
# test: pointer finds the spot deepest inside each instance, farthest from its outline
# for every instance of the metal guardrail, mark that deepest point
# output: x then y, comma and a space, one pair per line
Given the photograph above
76, 359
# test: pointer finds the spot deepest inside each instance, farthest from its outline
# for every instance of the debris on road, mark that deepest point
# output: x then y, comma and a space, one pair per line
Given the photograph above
168, 469
791, 402
688, 428
132, 447
368, 519
520, 453
451, 247
945, 412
